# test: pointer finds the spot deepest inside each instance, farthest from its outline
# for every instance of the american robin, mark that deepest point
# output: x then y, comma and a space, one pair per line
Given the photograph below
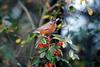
47, 28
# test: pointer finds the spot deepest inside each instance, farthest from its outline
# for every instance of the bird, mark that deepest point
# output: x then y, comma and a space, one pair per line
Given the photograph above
47, 28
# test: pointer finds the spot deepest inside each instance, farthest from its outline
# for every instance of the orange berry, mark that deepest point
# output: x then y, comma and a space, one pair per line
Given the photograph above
46, 45
40, 46
56, 53
60, 43
50, 65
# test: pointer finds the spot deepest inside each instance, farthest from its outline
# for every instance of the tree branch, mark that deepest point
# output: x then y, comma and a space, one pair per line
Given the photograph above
27, 13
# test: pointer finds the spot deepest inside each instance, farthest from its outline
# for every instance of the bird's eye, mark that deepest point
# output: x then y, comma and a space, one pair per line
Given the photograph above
51, 23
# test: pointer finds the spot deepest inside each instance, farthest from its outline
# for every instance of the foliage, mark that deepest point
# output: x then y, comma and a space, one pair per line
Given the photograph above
50, 48
31, 36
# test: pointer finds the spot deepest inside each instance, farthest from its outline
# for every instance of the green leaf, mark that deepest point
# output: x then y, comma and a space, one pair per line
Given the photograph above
57, 47
72, 9
43, 50
60, 26
56, 35
35, 61
68, 40
52, 49
36, 44
71, 53
43, 40
57, 38
42, 55
76, 56
54, 60
49, 55
74, 47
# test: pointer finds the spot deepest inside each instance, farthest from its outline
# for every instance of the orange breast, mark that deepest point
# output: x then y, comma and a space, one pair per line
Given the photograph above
50, 28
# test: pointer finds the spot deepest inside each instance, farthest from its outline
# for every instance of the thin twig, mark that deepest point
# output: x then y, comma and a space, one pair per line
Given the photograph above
45, 10
43, 13
29, 64
18, 52
27, 13
41, 20
54, 65
31, 50
47, 4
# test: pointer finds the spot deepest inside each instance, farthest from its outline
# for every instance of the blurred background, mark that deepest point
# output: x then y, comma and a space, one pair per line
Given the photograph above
19, 17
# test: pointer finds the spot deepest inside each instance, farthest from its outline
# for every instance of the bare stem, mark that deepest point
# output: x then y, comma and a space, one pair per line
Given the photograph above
27, 13
45, 10
54, 65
